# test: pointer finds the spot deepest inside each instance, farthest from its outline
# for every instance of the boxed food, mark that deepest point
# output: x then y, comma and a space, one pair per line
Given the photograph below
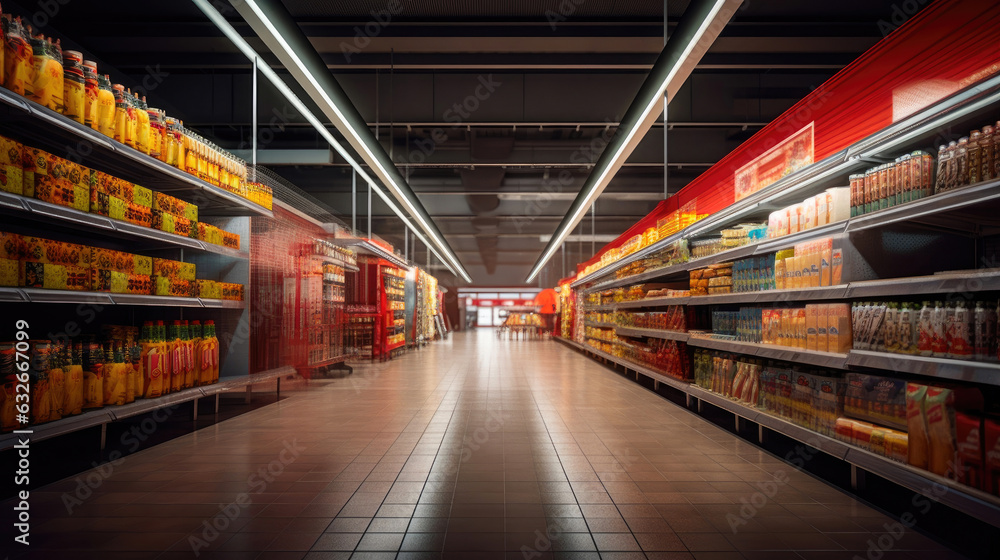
35, 169
36, 249
103, 280
11, 165
165, 221
54, 276
876, 398
231, 291
209, 289
11, 249
121, 262
991, 441
175, 206
139, 215
55, 180
174, 269
231, 240
163, 286
211, 234
827, 403
969, 450
916, 425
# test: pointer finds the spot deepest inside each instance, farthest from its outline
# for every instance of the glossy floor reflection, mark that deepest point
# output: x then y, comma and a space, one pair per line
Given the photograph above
468, 448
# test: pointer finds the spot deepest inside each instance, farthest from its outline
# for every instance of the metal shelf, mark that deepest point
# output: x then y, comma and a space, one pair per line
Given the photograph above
38, 295
599, 324
830, 360
650, 373
747, 348
605, 307
957, 283
653, 333
937, 204
720, 299
653, 302
48, 213
641, 278
365, 246
940, 368
46, 129
110, 414
802, 294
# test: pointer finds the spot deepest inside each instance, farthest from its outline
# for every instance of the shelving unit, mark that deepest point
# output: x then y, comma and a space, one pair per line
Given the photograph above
653, 333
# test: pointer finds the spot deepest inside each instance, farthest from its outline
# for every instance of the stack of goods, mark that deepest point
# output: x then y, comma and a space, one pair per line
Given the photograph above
598, 317
875, 416
122, 200
706, 247
973, 159
63, 81
34, 173
725, 324
818, 327
716, 279
632, 269
593, 298
173, 215
833, 205
673, 319
754, 274
909, 178
396, 339
667, 293
393, 283
174, 278
600, 344
566, 299
599, 333
120, 273
69, 376
43, 263
333, 274
327, 249
665, 356
956, 330
811, 400
743, 234
811, 264
729, 375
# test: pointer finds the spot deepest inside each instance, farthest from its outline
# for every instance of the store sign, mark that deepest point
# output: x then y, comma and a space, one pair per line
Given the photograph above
790, 155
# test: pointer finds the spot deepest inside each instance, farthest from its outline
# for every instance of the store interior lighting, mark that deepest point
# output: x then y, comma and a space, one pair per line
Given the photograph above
700, 25
262, 15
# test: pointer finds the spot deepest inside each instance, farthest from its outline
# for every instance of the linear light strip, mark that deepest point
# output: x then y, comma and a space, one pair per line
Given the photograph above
343, 122
282, 87
612, 164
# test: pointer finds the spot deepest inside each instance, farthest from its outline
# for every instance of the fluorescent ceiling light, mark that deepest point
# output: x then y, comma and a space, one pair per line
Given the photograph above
624, 196
265, 17
299, 106
585, 237
701, 23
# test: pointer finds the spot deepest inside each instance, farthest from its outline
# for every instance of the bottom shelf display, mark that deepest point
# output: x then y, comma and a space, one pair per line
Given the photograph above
115, 368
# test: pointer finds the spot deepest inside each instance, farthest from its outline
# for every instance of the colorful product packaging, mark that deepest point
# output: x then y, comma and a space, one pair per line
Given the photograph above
209, 289
175, 206
174, 269
969, 452
174, 287
11, 166
231, 291
991, 440
876, 399
11, 249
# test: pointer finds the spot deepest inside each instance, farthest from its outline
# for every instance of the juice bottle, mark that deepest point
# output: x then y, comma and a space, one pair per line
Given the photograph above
106, 106
156, 140
73, 391
130, 373
41, 403
57, 382
46, 87
74, 86
210, 352
18, 57
187, 355
939, 330
135, 359
170, 140
131, 121
114, 377
196, 343
925, 336
189, 151
152, 362
960, 345
142, 125
176, 350
93, 374
91, 91
120, 125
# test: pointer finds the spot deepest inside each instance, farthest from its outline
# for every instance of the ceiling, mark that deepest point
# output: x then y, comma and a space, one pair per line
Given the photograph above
492, 109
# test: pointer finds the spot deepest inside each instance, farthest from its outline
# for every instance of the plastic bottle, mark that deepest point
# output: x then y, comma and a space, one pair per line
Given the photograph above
73, 395
115, 374
57, 383
196, 343
153, 362
74, 86
156, 139
211, 351
135, 357
905, 329
107, 111
925, 336
984, 320
93, 374
891, 323
175, 349
190, 380
962, 162
939, 328
47, 74
130, 137
975, 153
960, 344
142, 125
121, 113
988, 153
91, 86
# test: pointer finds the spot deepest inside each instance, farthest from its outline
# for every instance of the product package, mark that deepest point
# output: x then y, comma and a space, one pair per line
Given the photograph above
174, 269
969, 450
877, 399
11, 165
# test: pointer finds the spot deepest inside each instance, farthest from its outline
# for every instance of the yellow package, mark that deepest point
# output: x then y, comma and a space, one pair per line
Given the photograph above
11, 165
93, 387
73, 390
812, 334
114, 383
153, 369
57, 391
174, 269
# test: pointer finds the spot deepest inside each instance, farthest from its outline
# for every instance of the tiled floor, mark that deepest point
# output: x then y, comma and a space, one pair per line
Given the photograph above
470, 448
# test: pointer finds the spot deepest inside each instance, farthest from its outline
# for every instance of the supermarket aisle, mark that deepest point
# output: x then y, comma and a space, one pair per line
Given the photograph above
475, 447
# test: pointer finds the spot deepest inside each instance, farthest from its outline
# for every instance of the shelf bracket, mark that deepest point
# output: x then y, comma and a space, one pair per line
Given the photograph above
104, 436
194, 414
857, 478
249, 391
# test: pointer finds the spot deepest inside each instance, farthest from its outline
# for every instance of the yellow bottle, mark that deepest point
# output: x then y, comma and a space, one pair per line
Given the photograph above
142, 126
114, 374
106, 106
121, 113
91, 89
73, 390
93, 375
74, 87
47, 76
177, 363
133, 387
18, 58
210, 354
57, 382
131, 121
41, 398
152, 362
